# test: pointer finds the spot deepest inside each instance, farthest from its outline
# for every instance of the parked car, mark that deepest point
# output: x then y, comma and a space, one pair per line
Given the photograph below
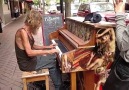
101, 8
53, 9
105, 9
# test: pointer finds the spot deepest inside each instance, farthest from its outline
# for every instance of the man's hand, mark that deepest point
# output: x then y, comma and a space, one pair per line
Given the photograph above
119, 6
53, 45
54, 51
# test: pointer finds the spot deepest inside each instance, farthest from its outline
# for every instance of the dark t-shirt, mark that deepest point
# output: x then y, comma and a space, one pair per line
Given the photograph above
25, 62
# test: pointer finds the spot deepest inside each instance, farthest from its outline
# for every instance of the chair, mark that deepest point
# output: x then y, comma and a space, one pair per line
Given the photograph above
35, 76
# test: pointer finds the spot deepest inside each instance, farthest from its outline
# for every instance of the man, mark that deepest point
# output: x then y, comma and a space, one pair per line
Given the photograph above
31, 57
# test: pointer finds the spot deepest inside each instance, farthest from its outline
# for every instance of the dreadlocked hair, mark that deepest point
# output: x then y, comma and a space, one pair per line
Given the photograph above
33, 20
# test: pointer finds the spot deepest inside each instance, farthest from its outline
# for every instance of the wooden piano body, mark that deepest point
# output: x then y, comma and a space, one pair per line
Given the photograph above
79, 40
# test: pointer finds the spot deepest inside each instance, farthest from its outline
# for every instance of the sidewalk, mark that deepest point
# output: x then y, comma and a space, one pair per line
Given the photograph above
3, 25
10, 75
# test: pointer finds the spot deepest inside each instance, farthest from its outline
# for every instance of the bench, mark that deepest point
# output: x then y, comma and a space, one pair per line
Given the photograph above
35, 76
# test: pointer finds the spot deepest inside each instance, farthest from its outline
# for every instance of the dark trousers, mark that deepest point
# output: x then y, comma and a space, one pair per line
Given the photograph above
119, 76
16, 14
0, 27
50, 62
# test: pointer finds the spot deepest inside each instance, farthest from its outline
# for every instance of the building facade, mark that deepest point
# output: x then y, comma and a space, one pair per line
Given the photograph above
7, 9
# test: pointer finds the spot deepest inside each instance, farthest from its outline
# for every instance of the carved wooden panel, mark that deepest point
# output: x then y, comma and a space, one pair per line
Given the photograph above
82, 31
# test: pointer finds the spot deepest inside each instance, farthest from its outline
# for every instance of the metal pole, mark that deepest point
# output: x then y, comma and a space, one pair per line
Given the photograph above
43, 41
43, 7
61, 6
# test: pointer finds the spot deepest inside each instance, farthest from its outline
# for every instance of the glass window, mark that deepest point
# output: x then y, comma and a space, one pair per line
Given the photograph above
82, 7
101, 7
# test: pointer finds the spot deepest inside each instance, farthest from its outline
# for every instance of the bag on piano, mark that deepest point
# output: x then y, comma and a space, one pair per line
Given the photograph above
93, 18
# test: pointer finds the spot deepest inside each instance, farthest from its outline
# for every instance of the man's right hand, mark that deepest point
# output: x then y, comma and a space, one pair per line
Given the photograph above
54, 51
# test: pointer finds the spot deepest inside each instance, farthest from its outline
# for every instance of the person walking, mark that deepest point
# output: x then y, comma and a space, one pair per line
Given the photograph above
31, 57
16, 11
118, 78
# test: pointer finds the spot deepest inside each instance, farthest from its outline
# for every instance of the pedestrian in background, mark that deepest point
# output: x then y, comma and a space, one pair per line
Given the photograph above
31, 57
16, 11
118, 78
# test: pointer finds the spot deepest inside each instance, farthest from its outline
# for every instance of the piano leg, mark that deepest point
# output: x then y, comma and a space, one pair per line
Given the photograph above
73, 81
89, 78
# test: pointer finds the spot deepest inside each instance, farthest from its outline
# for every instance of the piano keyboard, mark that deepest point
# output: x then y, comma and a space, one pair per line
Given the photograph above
59, 47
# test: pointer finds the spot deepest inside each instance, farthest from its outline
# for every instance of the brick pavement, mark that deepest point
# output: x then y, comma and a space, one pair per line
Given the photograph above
10, 75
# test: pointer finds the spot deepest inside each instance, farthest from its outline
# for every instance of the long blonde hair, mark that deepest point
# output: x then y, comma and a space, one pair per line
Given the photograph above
33, 20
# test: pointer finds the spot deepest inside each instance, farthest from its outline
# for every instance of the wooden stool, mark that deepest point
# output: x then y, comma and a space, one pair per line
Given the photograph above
35, 76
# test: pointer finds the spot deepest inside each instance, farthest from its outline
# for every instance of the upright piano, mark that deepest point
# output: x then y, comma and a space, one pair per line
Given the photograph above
76, 40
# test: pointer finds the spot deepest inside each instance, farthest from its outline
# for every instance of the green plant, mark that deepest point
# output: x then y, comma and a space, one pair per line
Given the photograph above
36, 2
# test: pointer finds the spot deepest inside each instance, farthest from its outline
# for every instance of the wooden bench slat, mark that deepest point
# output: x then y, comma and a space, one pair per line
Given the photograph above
35, 76
27, 75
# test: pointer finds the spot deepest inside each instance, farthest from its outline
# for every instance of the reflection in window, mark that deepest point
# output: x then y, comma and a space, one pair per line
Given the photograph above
101, 7
82, 7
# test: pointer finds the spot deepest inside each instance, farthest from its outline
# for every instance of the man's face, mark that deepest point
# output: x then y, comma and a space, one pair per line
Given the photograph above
38, 26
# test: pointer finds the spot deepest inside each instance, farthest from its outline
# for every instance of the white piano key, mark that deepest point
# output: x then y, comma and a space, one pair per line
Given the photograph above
60, 53
124, 1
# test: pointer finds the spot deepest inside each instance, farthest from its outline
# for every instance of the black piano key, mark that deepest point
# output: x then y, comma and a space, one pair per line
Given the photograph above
61, 46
